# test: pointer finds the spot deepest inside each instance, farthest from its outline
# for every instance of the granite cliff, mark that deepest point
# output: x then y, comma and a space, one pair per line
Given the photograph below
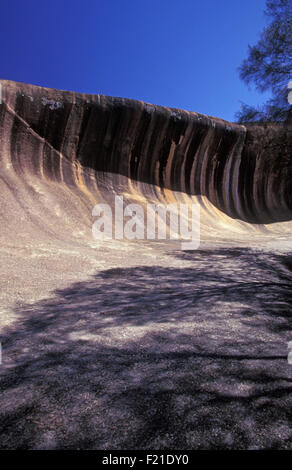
137, 344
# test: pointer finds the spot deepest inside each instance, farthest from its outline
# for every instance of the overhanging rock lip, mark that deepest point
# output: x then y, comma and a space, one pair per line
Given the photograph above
70, 96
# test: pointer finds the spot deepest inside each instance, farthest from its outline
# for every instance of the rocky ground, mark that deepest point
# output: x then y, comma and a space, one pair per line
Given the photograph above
170, 350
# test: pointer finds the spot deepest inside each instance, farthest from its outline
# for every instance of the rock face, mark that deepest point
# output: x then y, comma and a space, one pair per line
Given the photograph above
137, 344
245, 172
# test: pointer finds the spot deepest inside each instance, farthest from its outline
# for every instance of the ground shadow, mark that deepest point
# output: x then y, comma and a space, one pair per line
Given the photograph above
185, 357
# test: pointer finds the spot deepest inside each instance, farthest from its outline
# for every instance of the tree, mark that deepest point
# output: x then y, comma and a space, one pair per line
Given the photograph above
269, 66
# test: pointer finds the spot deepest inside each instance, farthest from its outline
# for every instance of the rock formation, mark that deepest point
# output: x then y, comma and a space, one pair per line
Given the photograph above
137, 344
79, 140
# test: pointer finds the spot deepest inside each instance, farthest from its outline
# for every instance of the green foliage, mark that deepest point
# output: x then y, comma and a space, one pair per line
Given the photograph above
269, 65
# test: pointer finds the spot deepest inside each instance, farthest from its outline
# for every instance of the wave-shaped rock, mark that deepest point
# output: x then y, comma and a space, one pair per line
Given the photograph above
244, 172
136, 344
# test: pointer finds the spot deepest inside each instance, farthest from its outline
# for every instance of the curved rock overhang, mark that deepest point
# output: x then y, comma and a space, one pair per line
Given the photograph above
80, 140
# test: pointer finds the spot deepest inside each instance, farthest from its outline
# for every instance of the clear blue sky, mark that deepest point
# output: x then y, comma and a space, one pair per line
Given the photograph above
177, 53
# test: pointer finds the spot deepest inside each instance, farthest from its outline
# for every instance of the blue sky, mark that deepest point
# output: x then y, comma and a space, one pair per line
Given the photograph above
177, 53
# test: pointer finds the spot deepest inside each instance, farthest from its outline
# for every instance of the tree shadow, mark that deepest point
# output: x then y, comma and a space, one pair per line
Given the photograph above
185, 357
